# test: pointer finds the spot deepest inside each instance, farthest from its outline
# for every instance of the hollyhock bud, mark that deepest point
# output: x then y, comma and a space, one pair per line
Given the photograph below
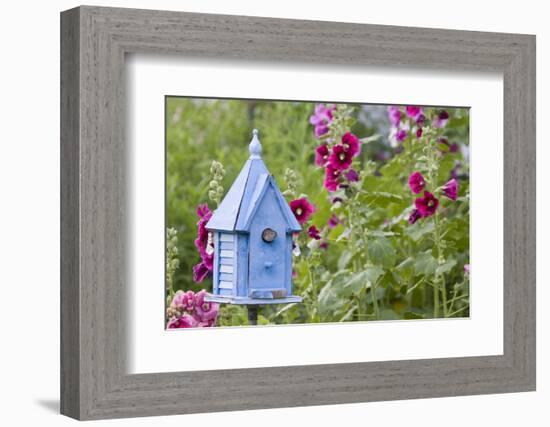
450, 189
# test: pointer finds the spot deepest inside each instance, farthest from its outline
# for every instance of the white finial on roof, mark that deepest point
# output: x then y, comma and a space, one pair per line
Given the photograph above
255, 147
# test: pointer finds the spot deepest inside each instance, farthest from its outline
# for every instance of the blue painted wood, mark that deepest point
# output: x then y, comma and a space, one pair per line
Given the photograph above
242, 264
226, 277
267, 260
216, 263
249, 270
227, 245
225, 217
288, 263
226, 261
229, 299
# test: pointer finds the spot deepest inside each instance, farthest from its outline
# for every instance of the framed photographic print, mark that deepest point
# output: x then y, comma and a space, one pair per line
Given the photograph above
296, 212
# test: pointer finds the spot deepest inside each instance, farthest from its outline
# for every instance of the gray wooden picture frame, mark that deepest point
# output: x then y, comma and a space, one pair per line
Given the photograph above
94, 41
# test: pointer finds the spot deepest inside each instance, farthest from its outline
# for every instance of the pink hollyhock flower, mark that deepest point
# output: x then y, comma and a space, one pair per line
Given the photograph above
426, 205
321, 155
177, 301
351, 143
332, 178
416, 182
340, 158
313, 232
414, 216
302, 209
208, 324
467, 269
413, 111
183, 300
441, 119
352, 175
200, 271
321, 119
333, 221
188, 300
185, 321
205, 311
401, 135
450, 189
394, 114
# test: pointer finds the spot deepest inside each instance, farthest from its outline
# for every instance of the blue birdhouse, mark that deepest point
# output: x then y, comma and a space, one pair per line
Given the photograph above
252, 234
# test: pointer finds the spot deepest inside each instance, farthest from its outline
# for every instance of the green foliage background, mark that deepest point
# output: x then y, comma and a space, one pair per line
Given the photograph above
333, 282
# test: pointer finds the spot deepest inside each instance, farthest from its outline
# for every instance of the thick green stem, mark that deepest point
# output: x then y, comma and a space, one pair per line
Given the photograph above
374, 301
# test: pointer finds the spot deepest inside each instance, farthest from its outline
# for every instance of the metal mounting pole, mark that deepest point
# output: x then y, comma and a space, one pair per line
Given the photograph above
252, 314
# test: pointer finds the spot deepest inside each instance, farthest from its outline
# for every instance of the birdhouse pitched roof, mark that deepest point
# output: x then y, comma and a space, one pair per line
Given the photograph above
241, 202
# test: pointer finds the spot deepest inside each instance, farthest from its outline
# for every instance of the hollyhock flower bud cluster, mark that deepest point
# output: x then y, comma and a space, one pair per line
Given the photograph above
321, 119
215, 192
190, 310
412, 119
427, 205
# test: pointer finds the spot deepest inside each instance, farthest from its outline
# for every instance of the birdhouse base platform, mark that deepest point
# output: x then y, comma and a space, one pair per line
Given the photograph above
223, 299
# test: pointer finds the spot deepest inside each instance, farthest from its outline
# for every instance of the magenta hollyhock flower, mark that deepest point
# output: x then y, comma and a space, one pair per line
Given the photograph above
450, 189
351, 143
205, 311
314, 233
426, 205
321, 155
333, 221
200, 272
302, 209
413, 111
416, 182
441, 119
394, 114
323, 245
204, 215
340, 158
414, 216
321, 119
401, 135
352, 175
332, 178
419, 132
185, 321
421, 119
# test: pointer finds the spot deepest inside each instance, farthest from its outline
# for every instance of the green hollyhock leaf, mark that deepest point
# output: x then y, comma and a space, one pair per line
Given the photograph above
381, 252
425, 263
446, 266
